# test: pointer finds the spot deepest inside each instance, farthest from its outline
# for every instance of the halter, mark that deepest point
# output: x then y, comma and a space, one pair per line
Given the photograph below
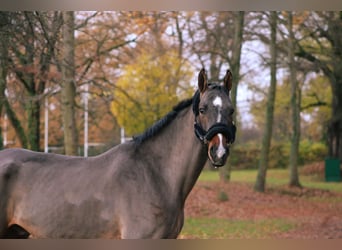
205, 136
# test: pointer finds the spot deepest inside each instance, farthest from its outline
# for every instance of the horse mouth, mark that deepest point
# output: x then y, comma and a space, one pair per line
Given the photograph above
218, 160
220, 137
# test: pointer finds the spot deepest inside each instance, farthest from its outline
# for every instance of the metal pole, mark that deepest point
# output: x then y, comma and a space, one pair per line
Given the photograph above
5, 130
5, 142
86, 88
122, 137
46, 125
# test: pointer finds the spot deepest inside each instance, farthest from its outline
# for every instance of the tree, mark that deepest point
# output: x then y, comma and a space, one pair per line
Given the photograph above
321, 45
68, 91
295, 106
4, 22
32, 40
105, 42
234, 62
266, 140
148, 89
216, 39
316, 103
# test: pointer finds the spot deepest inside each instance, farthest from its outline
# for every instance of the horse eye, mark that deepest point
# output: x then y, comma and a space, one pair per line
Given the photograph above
231, 111
202, 110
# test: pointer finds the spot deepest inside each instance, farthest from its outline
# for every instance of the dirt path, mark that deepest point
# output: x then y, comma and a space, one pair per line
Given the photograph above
316, 213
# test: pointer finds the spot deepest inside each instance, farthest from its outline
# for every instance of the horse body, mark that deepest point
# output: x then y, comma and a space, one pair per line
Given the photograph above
52, 196
134, 190
56, 196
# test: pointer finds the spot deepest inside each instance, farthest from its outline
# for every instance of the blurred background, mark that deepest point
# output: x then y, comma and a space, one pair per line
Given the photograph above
81, 82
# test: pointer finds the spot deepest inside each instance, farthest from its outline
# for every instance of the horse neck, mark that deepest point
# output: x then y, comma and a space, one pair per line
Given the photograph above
178, 154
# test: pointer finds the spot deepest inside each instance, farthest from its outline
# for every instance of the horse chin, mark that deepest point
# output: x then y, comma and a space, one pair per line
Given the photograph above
218, 163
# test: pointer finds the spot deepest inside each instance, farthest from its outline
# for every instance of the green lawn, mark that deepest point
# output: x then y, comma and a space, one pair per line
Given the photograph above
213, 228
274, 177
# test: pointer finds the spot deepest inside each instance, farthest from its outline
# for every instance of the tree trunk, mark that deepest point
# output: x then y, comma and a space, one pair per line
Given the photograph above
335, 126
3, 70
2, 99
4, 104
68, 91
267, 135
33, 123
235, 69
16, 124
295, 108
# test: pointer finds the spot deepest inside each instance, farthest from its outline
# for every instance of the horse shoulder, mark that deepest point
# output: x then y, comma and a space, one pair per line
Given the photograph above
9, 171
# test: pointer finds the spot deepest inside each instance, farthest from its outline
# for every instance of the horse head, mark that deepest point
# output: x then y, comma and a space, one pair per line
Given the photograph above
213, 110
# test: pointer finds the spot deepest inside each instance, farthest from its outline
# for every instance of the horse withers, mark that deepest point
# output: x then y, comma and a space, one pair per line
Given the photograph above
134, 190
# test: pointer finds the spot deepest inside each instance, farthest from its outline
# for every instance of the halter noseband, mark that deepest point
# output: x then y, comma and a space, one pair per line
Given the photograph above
205, 136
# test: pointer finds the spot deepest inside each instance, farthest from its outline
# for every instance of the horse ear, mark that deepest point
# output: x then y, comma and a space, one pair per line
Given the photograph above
202, 81
228, 80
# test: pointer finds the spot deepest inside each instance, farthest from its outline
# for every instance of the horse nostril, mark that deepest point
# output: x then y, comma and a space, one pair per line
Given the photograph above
212, 150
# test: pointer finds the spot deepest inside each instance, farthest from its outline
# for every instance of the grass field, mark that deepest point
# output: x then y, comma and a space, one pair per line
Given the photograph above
215, 228
275, 177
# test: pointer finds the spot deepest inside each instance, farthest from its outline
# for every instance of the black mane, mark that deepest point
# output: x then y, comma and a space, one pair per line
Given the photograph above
163, 122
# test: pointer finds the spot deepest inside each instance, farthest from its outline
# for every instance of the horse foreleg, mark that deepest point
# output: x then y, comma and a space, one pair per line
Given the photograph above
3, 221
16, 232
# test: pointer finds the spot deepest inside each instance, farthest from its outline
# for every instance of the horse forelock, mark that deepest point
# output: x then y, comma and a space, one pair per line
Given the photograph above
197, 95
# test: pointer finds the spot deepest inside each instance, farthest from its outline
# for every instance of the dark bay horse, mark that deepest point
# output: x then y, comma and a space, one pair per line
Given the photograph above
134, 190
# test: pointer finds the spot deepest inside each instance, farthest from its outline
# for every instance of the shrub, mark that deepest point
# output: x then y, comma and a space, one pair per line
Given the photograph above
311, 152
246, 156
222, 196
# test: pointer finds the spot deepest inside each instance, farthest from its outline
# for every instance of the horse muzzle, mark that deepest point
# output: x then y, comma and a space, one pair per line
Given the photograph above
218, 150
218, 138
